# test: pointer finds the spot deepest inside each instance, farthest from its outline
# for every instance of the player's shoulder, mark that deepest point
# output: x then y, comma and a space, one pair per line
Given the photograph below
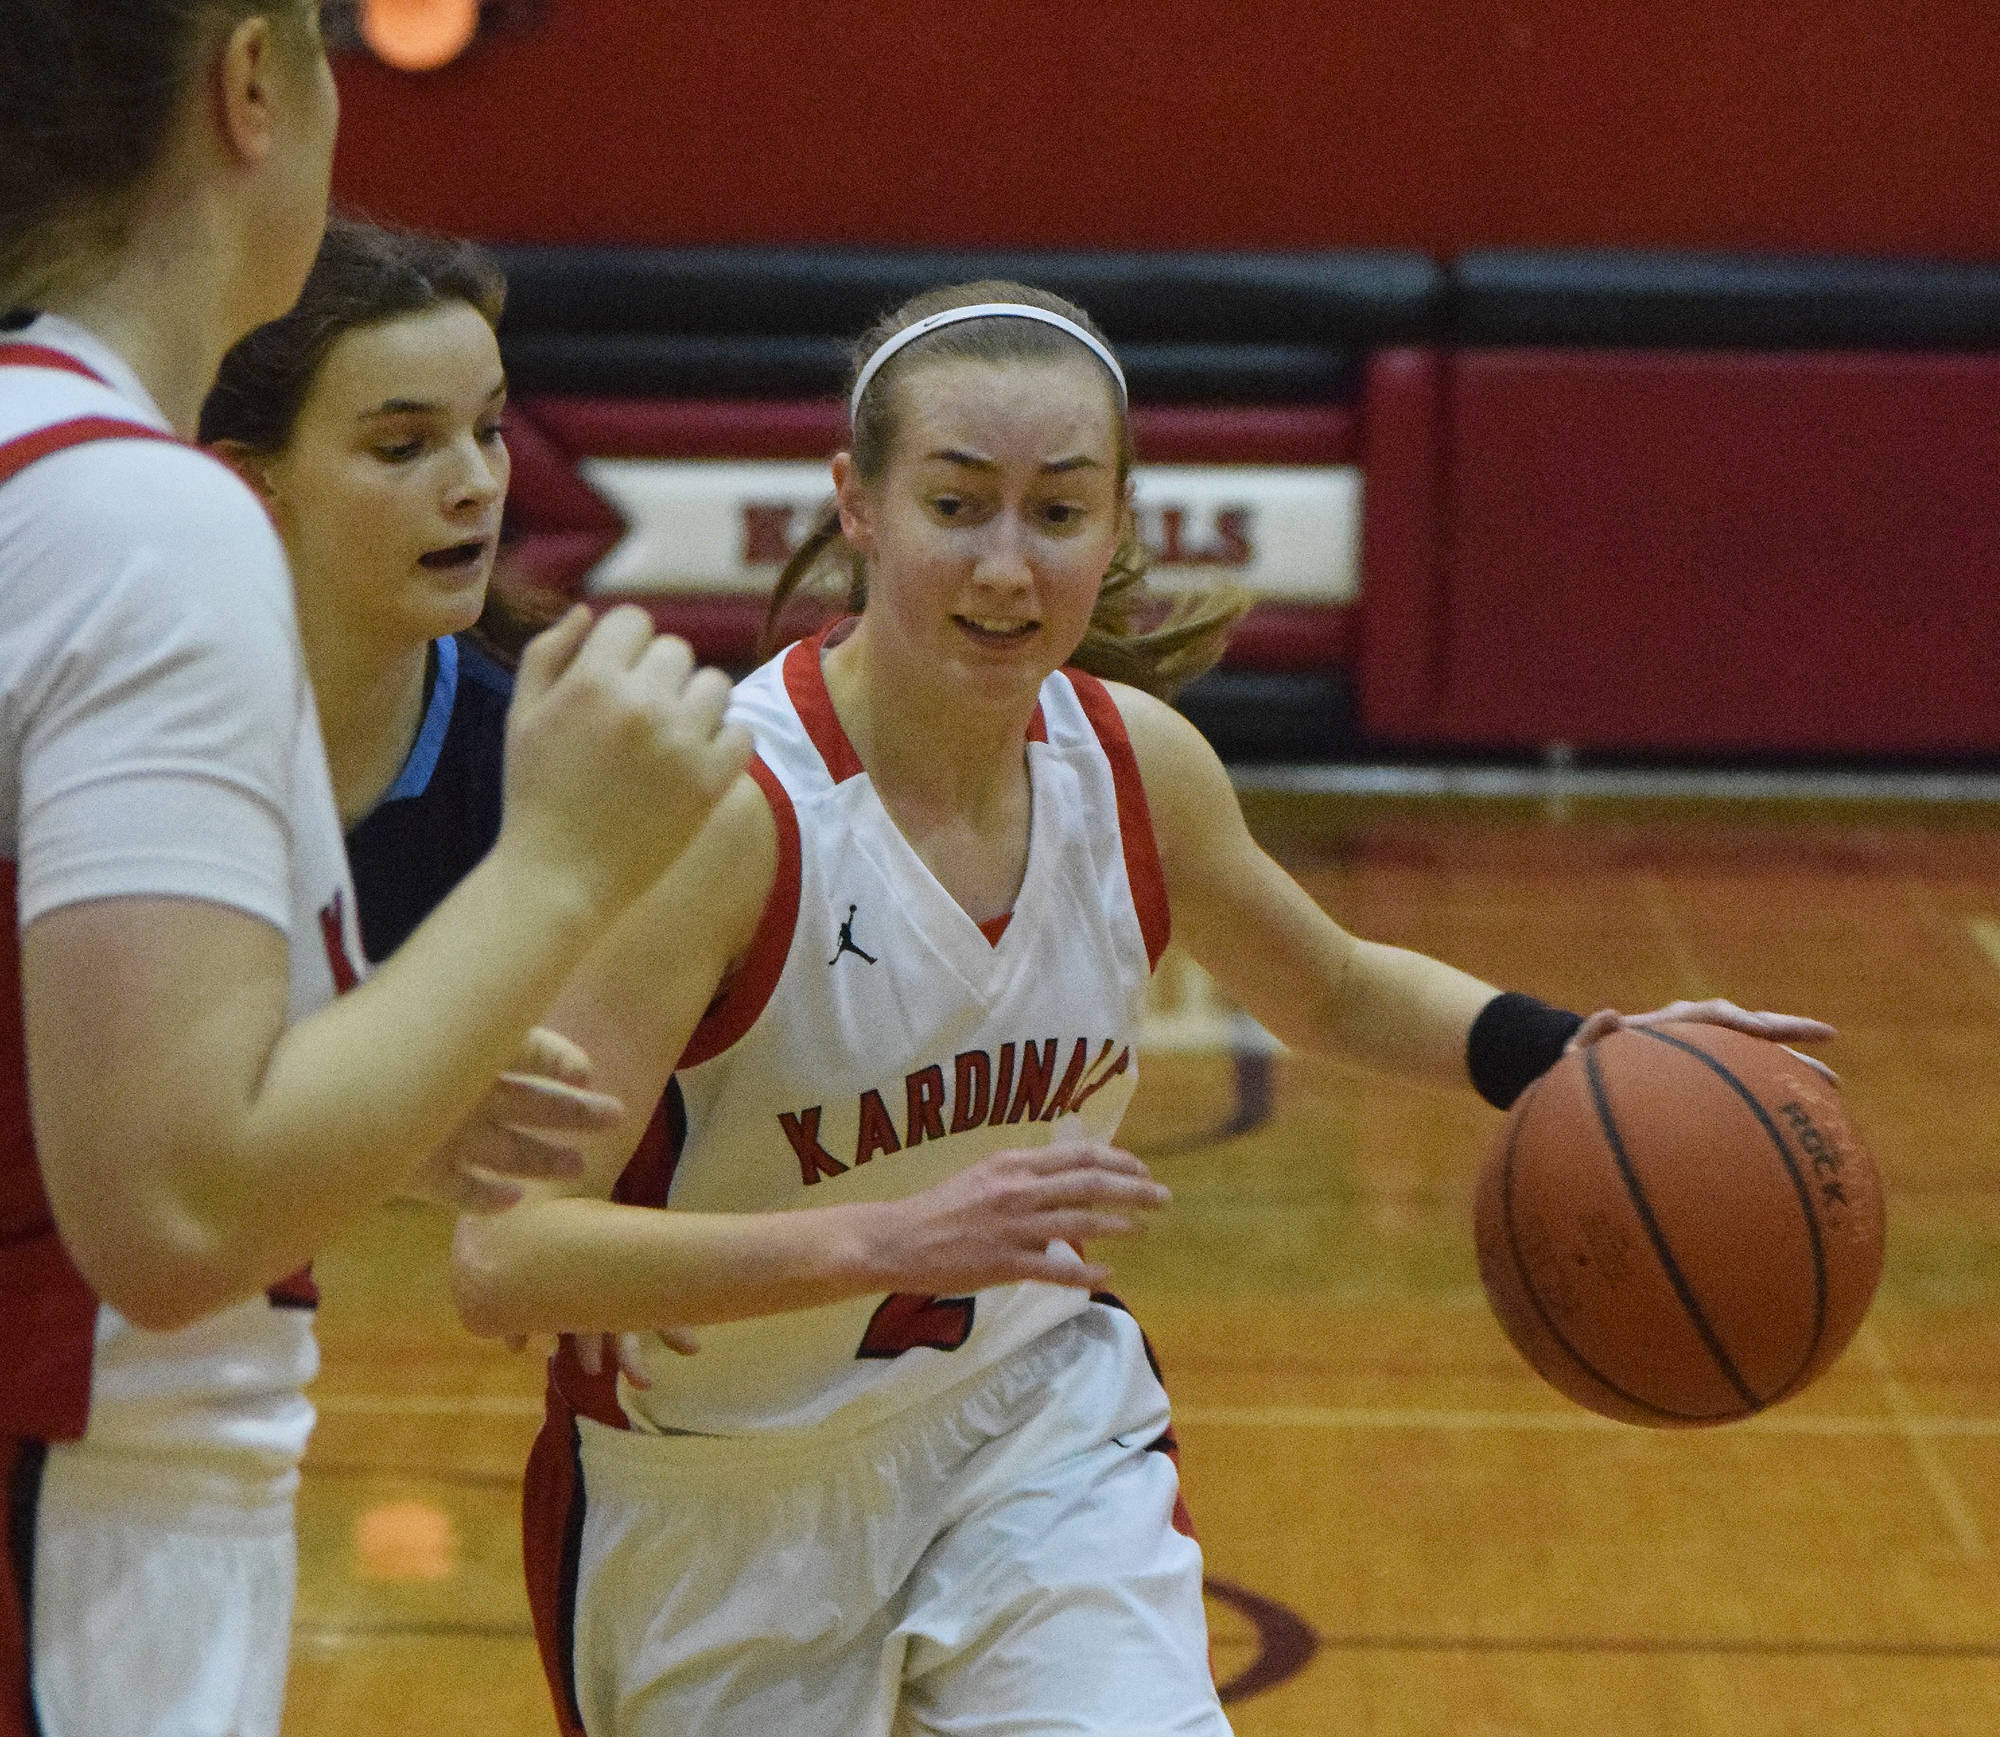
148, 496
1186, 785
1163, 741
123, 478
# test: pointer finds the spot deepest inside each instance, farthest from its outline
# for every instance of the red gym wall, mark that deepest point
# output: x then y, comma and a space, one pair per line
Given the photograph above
1859, 126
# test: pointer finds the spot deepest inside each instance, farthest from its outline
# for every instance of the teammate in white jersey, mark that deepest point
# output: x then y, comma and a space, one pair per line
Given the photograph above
183, 1117
913, 941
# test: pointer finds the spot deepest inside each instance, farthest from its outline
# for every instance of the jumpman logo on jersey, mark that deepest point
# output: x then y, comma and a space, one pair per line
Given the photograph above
847, 942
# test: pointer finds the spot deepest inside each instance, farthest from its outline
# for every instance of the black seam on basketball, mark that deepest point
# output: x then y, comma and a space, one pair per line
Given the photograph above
1777, 1136
1644, 1208
1542, 1314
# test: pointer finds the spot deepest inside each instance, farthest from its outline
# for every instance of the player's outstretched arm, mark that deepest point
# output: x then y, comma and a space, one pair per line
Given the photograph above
576, 1265
195, 1150
1264, 939
1309, 981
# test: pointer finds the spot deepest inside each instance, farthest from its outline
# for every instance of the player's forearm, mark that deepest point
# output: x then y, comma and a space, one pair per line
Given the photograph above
1404, 1013
594, 1266
355, 1096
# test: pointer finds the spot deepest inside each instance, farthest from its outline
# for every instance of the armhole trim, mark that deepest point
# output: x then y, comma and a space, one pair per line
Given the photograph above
20, 355
805, 682
17, 454
1135, 818
747, 993
415, 777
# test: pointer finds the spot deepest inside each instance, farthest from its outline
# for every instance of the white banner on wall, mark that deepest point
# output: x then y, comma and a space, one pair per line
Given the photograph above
722, 525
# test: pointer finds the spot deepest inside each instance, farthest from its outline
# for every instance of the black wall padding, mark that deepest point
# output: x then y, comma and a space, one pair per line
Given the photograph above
1722, 301
1190, 327
1174, 298
666, 365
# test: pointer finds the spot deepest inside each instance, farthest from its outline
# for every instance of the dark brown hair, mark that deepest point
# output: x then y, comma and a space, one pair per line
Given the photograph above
88, 90
1134, 636
364, 275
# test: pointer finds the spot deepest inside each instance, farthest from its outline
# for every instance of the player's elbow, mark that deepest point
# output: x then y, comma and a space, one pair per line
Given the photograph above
170, 1285
158, 1260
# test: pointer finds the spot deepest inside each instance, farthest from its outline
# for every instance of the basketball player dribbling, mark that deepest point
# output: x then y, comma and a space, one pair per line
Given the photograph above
369, 418
185, 1118
914, 940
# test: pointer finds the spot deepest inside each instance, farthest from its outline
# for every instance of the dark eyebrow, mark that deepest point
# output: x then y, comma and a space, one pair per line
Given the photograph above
420, 407
1055, 467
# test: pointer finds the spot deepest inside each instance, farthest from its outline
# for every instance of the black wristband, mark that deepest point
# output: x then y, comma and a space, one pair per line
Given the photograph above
1514, 1041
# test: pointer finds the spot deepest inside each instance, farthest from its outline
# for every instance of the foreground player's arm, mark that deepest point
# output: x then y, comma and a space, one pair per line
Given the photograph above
1264, 939
195, 1151
570, 1260
1321, 989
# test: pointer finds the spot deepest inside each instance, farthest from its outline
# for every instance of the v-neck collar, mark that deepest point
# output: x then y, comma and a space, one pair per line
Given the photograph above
805, 684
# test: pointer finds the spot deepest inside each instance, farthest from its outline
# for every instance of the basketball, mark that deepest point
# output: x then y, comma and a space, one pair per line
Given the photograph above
1678, 1226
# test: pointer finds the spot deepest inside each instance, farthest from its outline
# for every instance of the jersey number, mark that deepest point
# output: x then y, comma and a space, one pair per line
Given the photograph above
906, 1321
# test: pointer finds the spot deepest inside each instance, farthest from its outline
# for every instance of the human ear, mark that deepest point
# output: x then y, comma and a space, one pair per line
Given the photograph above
249, 75
857, 517
252, 466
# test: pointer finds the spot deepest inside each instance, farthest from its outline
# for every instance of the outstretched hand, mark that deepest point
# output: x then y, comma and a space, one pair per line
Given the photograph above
1019, 1214
522, 1130
1779, 1028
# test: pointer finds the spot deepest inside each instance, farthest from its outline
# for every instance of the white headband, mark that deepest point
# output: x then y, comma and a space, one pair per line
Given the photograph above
982, 311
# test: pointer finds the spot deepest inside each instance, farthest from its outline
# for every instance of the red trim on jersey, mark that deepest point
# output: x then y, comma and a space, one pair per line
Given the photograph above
42, 356
17, 454
48, 1314
551, 1551
805, 681
994, 927
1135, 819
749, 991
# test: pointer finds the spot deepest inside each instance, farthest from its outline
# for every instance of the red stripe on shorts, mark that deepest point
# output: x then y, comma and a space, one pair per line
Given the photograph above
551, 1547
21, 1477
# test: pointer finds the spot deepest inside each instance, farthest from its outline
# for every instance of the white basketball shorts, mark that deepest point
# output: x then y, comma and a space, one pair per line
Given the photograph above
1001, 1563
156, 1624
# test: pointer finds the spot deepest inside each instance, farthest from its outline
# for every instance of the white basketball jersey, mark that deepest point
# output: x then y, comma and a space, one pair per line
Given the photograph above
158, 739
876, 1041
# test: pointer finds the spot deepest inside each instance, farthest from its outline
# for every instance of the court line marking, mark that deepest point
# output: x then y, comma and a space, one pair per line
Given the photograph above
1563, 783
1957, 1511
1972, 1650
1695, 985
1911, 1423
427, 1404
329, 1637
1913, 1426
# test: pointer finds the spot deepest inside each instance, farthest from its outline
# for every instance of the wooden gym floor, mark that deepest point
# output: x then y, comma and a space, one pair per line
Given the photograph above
1406, 1534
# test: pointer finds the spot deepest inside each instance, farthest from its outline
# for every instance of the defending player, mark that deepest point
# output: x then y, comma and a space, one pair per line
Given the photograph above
916, 937
185, 1119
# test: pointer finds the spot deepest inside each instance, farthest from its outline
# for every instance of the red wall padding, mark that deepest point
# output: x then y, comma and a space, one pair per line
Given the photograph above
1696, 552
1847, 125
